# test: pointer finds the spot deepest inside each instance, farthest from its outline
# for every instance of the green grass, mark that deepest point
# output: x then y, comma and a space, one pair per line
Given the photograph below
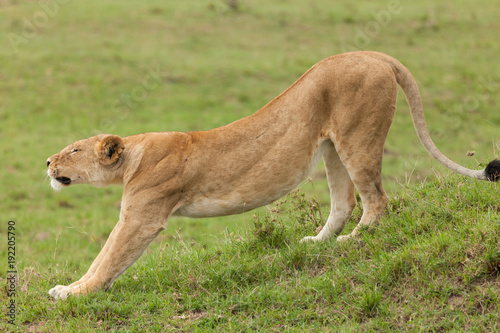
432, 264
217, 63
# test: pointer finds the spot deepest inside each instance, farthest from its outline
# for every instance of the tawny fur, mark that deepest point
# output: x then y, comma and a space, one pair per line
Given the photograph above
339, 110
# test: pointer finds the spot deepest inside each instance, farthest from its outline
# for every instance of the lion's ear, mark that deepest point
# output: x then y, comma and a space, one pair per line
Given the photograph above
109, 149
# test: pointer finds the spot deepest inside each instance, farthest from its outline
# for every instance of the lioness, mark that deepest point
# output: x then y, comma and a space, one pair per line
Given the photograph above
339, 110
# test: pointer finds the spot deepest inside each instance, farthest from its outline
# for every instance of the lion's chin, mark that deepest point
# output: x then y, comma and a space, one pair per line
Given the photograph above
57, 185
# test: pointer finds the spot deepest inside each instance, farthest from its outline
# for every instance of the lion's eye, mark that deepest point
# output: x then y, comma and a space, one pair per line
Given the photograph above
75, 150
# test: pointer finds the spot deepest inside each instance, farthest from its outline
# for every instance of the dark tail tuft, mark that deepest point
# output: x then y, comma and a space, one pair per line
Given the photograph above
492, 171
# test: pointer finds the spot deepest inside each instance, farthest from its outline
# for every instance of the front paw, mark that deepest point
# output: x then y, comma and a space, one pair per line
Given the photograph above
309, 239
60, 292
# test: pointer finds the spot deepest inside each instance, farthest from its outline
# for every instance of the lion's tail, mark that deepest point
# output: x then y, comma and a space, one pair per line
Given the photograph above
410, 88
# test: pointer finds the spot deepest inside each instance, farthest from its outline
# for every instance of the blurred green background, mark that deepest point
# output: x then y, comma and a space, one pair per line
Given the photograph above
70, 70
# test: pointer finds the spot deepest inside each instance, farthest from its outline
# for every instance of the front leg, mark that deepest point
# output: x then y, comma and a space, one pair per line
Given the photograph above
128, 245
57, 291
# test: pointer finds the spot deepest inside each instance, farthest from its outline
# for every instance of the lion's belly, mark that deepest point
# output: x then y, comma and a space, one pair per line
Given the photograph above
210, 207
254, 192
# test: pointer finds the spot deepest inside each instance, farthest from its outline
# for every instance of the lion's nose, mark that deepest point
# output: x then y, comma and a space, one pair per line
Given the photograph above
48, 162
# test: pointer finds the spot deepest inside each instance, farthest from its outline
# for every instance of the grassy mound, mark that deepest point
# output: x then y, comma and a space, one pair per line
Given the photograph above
432, 264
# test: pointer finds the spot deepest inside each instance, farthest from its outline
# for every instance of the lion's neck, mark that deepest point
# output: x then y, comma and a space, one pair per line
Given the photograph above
132, 157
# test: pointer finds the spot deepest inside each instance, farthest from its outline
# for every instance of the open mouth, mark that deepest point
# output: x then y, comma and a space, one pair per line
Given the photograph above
64, 180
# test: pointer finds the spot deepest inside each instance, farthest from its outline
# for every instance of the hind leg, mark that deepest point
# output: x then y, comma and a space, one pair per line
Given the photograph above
343, 199
365, 170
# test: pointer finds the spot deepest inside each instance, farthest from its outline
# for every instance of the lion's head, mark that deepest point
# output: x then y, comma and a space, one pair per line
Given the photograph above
95, 161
